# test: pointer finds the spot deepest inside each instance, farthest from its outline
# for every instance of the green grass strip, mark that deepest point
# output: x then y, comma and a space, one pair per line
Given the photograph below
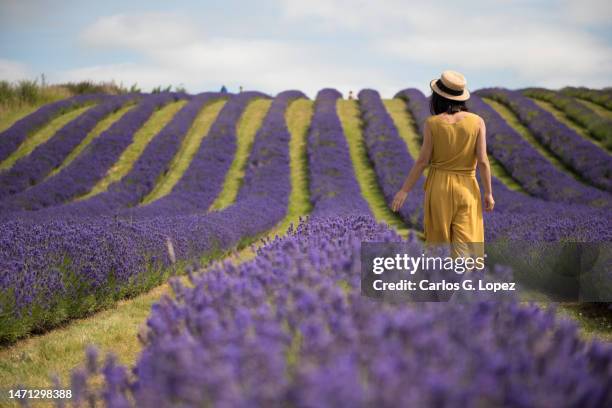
189, 147
514, 122
41, 136
298, 118
348, 111
141, 139
102, 126
250, 121
598, 109
407, 129
405, 124
563, 118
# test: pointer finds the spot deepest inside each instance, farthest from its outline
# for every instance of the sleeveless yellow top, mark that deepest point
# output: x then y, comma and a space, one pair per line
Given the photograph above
454, 144
453, 208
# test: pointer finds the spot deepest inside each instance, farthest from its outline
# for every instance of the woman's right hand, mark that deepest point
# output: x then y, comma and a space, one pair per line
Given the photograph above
399, 200
489, 202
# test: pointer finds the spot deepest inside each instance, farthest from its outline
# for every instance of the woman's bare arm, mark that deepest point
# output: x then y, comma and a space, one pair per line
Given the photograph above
416, 171
484, 166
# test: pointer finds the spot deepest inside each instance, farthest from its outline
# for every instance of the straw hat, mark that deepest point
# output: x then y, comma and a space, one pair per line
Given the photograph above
451, 85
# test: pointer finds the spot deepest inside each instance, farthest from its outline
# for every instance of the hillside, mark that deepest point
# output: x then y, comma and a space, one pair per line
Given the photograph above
105, 197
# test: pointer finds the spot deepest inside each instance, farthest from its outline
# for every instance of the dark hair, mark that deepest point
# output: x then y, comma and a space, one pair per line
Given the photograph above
439, 104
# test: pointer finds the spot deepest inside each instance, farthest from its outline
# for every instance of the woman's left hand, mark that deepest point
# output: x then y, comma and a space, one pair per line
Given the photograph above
399, 200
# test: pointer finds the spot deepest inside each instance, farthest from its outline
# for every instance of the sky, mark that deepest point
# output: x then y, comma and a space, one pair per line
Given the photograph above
274, 45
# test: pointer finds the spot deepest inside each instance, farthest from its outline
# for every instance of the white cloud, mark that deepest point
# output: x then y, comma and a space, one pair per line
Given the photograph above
546, 46
588, 12
142, 31
176, 52
532, 56
14, 70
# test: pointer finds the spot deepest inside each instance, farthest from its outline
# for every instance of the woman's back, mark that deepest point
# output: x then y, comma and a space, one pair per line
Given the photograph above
454, 143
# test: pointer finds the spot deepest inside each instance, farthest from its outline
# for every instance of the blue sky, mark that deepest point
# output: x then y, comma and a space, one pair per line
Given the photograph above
273, 45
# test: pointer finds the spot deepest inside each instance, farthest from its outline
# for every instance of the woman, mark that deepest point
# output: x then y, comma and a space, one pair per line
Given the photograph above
454, 142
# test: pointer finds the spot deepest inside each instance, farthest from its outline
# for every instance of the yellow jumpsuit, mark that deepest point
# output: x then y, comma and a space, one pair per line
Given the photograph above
453, 208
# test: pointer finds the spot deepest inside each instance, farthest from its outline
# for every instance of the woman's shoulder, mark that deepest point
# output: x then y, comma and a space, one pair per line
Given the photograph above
473, 115
477, 118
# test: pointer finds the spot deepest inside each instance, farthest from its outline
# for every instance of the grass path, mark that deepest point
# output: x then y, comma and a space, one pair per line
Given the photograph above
42, 135
250, 121
103, 125
598, 109
563, 118
349, 114
141, 139
33, 360
407, 129
298, 116
189, 147
515, 123
405, 124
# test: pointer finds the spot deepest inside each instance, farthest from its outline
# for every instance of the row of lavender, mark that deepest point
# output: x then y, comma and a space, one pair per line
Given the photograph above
60, 267
291, 328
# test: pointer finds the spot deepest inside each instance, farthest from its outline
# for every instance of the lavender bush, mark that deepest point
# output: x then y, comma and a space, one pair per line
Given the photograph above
291, 328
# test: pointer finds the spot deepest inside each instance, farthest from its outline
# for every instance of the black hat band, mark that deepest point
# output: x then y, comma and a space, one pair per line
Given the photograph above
446, 89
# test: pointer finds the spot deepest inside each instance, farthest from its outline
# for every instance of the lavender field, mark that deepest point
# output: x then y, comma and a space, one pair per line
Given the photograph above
84, 224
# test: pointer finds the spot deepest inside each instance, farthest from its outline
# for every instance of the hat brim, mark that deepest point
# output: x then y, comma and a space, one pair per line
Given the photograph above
460, 98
